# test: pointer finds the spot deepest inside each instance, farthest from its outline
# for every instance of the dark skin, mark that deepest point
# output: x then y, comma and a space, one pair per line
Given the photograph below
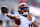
15, 18
29, 18
4, 10
35, 24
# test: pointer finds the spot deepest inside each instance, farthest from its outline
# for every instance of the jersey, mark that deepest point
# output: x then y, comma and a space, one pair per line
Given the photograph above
3, 17
23, 21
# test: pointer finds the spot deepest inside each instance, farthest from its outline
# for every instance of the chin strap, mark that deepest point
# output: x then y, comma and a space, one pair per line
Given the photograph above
25, 15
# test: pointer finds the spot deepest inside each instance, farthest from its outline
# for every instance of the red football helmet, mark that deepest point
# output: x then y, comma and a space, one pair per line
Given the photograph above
23, 9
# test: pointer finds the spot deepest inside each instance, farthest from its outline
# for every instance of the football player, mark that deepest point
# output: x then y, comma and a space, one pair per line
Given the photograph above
24, 19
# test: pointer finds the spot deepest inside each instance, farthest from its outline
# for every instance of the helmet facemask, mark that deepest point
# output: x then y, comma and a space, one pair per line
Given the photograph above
24, 11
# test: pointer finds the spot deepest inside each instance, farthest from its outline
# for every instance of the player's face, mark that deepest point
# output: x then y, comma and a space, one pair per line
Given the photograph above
24, 11
5, 11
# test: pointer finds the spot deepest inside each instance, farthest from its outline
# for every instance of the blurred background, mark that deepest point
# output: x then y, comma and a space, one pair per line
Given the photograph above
34, 6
